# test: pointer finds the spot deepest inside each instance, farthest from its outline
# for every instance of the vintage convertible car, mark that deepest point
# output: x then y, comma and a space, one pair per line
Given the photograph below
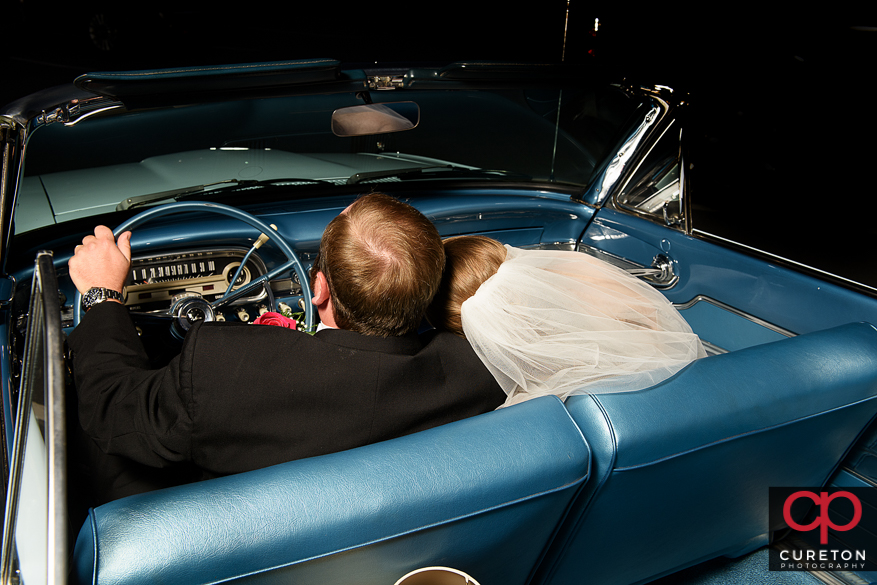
611, 489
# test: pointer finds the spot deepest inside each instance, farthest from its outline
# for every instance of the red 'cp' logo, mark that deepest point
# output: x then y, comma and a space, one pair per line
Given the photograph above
823, 500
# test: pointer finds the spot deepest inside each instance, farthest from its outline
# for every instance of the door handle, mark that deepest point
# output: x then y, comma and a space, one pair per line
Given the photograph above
661, 273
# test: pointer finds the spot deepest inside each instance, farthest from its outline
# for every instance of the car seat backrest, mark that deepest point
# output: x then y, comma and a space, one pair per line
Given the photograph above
459, 495
681, 471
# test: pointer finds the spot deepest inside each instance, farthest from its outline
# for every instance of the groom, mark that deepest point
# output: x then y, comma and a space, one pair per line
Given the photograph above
241, 397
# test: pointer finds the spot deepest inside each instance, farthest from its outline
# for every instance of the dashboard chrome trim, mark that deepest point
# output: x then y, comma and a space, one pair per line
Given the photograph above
165, 289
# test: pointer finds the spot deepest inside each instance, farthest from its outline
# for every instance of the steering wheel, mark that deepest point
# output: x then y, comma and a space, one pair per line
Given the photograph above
194, 307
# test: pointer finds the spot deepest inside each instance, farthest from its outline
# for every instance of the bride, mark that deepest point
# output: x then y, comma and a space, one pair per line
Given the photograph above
555, 322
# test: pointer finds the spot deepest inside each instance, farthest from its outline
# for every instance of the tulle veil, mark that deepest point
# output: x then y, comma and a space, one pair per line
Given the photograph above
564, 323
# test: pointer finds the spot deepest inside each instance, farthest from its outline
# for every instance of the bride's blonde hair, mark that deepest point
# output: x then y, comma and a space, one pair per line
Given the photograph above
469, 261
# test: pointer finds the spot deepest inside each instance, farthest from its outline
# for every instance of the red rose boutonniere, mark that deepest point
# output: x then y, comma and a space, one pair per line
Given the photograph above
284, 317
272, 318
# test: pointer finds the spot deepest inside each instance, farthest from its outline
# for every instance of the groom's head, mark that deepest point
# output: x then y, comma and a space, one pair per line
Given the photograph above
382, 263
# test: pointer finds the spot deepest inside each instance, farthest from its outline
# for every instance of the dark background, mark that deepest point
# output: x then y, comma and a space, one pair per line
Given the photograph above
784, 96
47, 43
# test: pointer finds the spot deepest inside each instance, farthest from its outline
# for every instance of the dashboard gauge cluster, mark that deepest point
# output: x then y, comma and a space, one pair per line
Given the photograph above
156, 281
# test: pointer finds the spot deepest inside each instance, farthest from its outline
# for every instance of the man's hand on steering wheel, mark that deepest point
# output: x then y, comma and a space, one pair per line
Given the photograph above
101, 261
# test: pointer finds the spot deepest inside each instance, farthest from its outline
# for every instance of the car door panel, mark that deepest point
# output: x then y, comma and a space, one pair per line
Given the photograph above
732, 299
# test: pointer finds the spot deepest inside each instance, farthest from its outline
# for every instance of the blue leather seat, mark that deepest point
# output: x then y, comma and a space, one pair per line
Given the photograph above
681, 471
483, 495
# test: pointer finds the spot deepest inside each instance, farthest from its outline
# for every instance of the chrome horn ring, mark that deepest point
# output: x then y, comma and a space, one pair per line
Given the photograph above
188, 309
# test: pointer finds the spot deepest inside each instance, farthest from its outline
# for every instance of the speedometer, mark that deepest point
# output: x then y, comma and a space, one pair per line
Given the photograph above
155, 280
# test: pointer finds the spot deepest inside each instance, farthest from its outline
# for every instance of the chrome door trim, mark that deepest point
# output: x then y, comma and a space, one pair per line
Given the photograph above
735, 311
661, 274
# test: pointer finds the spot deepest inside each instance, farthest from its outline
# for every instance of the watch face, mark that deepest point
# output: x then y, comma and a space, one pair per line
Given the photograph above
91, 297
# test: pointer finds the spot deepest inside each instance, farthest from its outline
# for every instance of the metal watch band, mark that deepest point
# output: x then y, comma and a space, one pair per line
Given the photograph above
97, 295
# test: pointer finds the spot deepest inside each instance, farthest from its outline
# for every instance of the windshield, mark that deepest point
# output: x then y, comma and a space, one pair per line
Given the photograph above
92, 167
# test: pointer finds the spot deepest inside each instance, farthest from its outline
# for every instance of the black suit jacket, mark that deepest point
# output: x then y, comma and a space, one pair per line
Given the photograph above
241, 397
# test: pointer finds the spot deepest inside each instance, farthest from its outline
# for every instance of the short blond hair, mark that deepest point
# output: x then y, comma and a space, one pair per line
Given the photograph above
469, 261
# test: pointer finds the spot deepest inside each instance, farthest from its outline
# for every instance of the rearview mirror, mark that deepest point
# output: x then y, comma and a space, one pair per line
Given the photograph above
375, 119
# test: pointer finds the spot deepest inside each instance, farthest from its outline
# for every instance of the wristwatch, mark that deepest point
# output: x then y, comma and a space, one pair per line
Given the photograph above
96, 295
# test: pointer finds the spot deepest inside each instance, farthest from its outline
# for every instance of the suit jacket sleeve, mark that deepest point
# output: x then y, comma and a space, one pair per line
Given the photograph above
124, 406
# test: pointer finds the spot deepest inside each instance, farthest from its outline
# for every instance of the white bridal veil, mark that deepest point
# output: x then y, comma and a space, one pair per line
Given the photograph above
555, 322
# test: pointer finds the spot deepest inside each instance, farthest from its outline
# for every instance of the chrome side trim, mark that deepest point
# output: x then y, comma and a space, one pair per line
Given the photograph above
863, 478
712, 349
737, 312
703, 234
